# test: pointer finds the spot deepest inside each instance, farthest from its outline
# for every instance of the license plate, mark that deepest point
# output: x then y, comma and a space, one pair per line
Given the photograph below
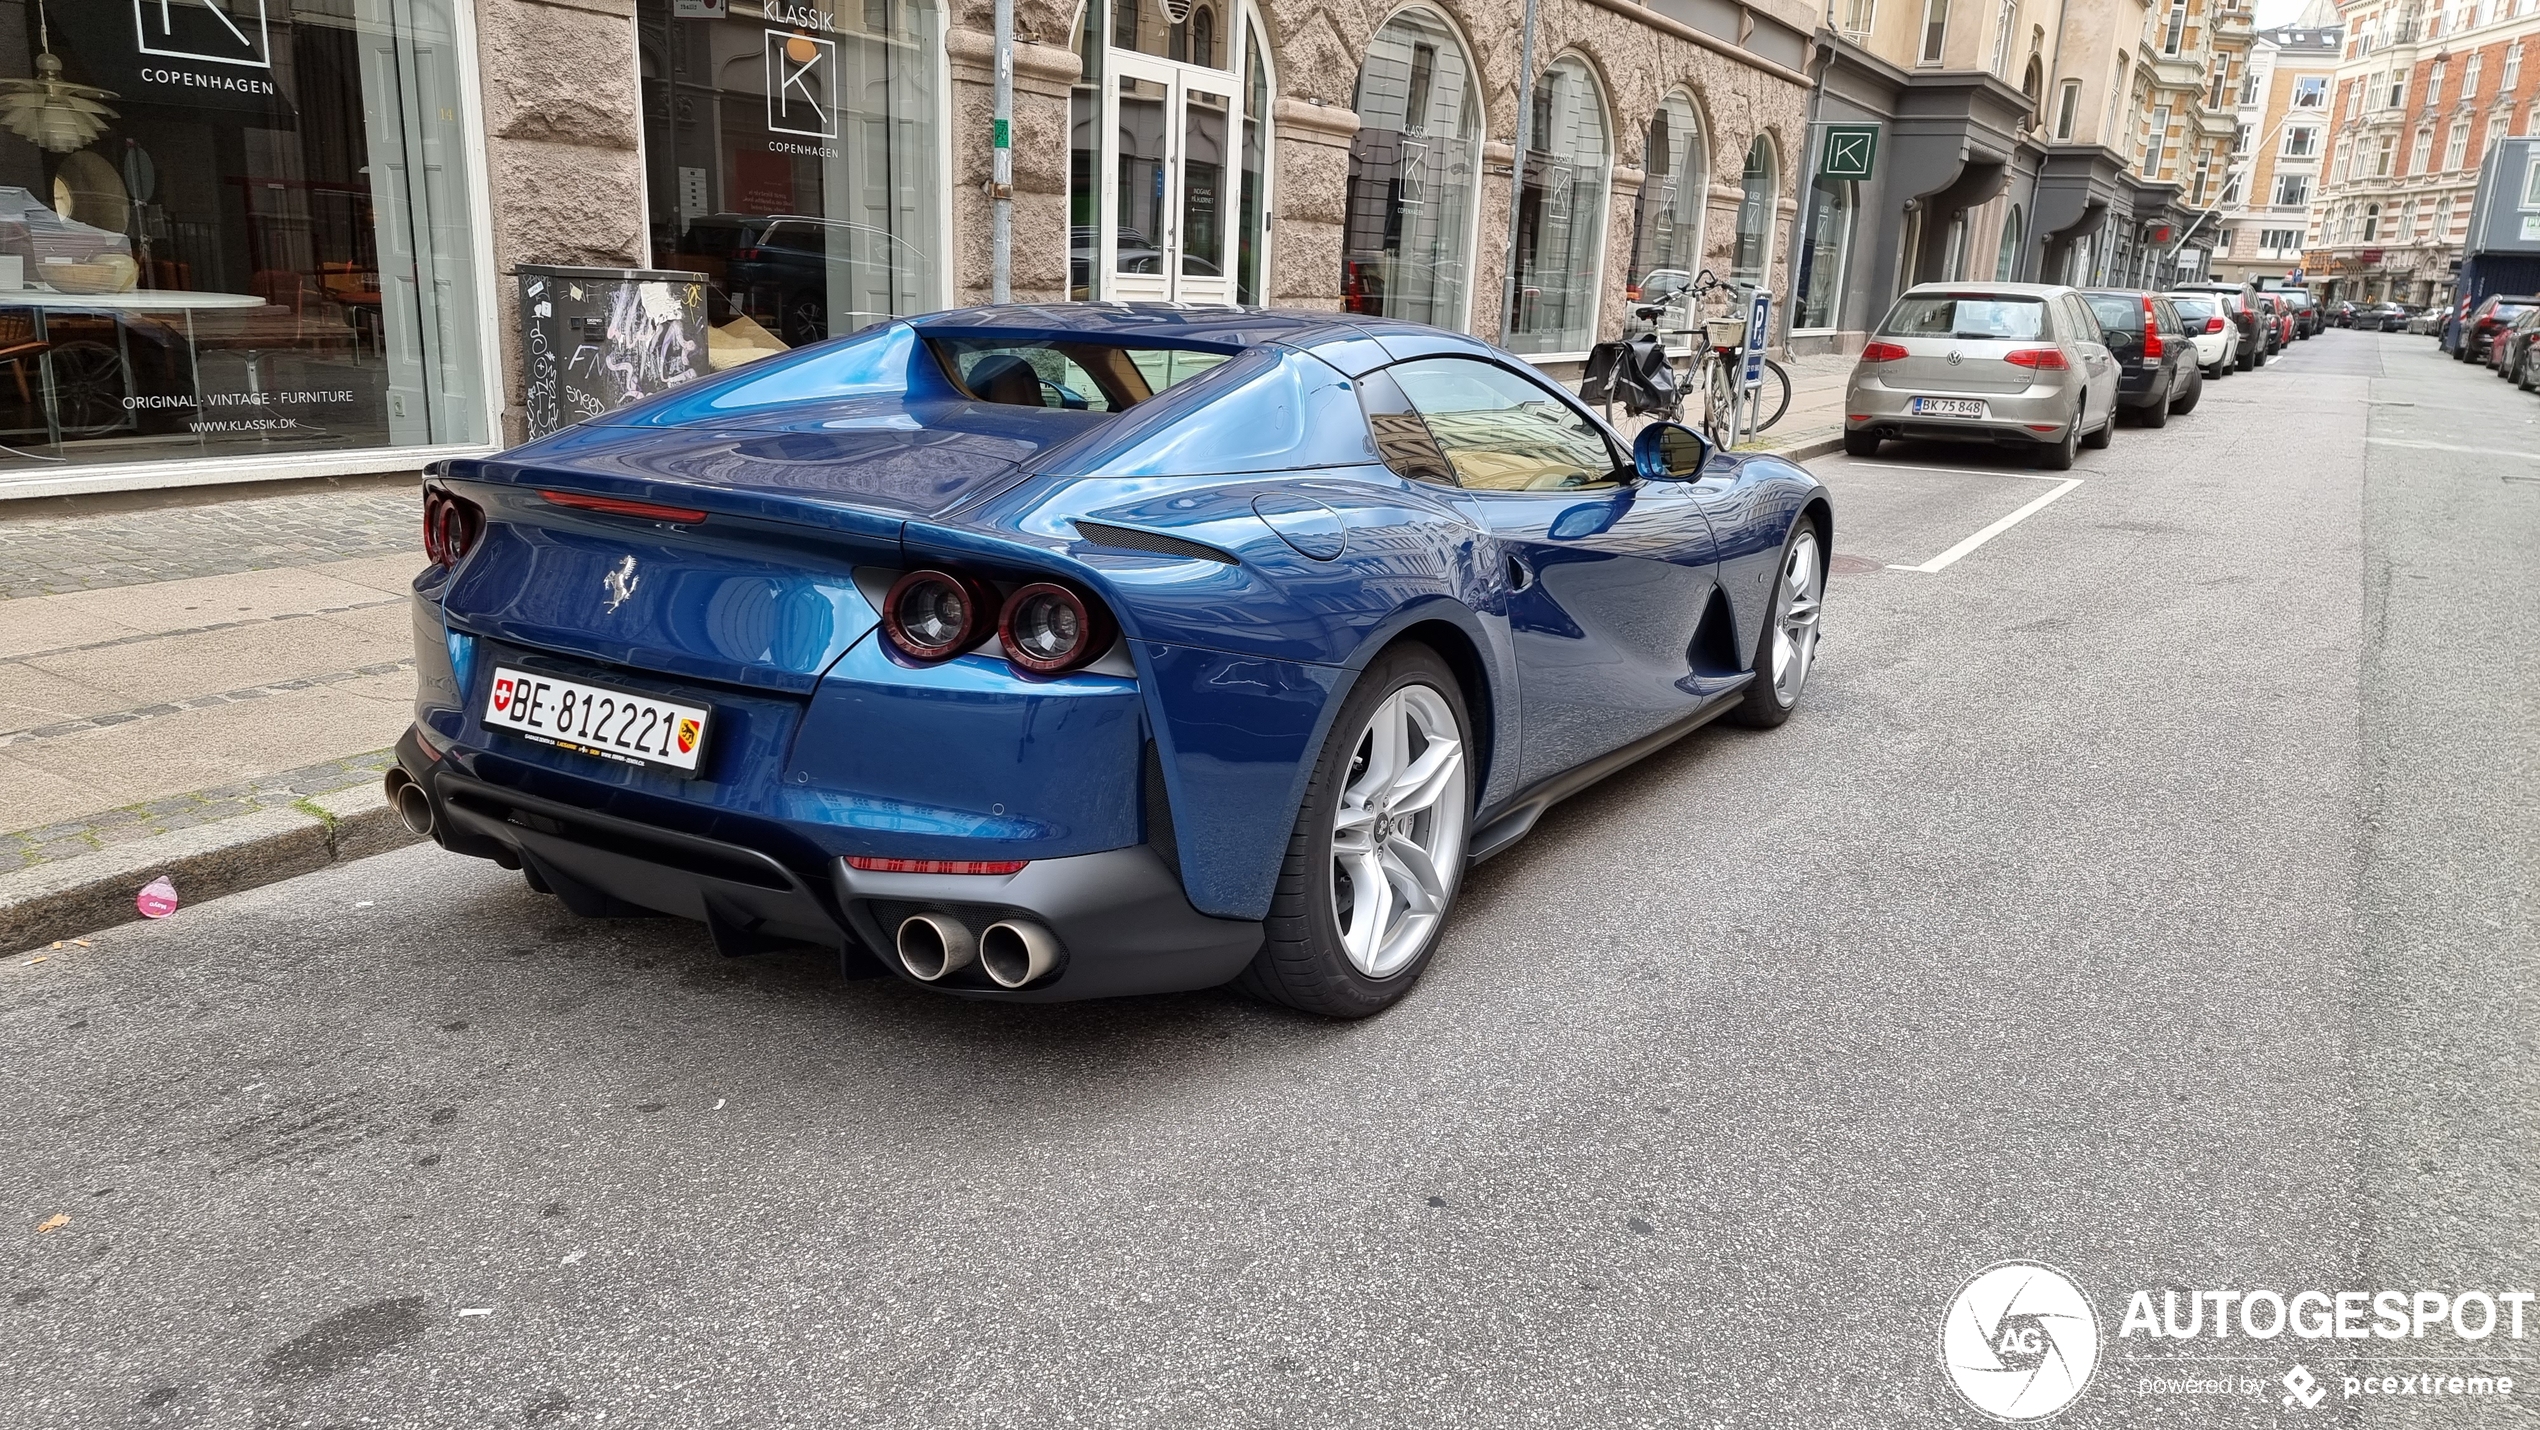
1948, 407
595, 720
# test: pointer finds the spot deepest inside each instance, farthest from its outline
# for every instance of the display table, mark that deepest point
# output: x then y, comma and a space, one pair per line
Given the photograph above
44, 301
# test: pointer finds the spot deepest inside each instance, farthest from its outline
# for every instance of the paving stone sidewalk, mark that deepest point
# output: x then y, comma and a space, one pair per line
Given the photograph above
174, 660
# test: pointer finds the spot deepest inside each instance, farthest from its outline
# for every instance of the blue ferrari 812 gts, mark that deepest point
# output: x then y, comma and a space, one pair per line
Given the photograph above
1064, 652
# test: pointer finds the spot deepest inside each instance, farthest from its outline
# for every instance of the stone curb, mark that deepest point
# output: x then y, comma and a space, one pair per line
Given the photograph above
65, 897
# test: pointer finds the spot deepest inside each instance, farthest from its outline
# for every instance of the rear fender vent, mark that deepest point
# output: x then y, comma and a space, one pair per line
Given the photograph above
1129, 538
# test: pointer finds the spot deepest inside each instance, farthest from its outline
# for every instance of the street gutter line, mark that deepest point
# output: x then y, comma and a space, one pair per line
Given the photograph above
2448, 447
1943, 561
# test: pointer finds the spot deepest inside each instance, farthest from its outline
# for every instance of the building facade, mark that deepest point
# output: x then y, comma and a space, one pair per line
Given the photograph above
2279, 147
2079, 141
288, 246
2424, 89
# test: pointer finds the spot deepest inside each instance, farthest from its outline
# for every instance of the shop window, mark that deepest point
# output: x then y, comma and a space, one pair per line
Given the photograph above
1406, 241
1825, 264
795, 166
1561, 214
234, 241
1667, 222
1754, 253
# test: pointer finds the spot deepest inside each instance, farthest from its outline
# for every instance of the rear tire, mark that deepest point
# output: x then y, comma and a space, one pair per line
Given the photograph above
2181, 406
1360, 807
1860, 444
2058, 456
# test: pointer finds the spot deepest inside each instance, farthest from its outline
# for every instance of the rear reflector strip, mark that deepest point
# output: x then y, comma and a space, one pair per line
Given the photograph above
619, 506
871, 865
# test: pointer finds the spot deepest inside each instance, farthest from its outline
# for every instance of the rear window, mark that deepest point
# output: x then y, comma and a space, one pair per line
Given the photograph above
2196, 308
1080, 376
2117, 311
1966, 315
2505, 312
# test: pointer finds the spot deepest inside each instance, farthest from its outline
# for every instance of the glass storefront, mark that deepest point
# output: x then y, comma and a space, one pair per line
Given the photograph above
1561, 214
1168, 173
1822, 266
1754, 252
792, 155
1407, 239
234, 231
1667, 224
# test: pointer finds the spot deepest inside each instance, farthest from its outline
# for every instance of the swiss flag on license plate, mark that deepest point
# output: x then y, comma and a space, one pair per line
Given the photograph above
503, 694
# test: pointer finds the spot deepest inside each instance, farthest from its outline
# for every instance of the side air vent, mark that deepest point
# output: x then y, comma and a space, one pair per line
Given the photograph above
1129, 538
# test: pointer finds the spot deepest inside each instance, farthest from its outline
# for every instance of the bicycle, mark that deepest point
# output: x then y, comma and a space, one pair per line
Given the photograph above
1715, 369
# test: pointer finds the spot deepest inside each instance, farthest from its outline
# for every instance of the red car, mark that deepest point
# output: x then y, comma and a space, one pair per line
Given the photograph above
2487, 322
2278, 317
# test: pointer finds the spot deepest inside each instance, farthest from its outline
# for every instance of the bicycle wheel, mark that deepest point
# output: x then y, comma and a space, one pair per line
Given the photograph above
1774, 399
1719, 399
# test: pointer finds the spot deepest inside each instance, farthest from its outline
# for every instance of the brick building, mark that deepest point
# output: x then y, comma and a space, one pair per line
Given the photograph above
2423, 89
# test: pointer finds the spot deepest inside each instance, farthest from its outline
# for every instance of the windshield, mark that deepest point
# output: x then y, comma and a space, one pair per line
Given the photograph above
1966, 315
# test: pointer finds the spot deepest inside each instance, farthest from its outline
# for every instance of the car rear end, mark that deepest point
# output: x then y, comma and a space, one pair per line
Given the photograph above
2489, 322
737, 672
2133, 336
2207, 328
1967, 362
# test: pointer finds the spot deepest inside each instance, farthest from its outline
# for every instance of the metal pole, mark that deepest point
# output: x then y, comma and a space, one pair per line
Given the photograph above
1001, 177
1517, 171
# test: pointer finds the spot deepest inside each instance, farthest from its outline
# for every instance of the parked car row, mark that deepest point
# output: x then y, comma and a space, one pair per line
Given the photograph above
2383, 317
2486, 323
2512, 351
2050, 369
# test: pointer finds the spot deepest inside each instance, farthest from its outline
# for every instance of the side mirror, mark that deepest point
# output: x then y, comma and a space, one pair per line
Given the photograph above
1667, 452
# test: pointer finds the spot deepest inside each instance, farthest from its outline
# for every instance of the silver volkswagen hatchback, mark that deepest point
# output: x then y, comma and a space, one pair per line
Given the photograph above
2021, 364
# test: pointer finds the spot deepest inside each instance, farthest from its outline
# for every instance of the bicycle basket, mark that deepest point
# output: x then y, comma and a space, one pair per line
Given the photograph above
1726, 332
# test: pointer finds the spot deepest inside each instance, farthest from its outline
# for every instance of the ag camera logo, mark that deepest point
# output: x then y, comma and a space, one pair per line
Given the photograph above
2019, 1341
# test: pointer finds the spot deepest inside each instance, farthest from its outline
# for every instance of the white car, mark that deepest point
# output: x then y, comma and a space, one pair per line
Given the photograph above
2216, 336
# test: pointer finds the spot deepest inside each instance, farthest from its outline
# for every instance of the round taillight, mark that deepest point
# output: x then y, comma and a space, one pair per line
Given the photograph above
434, 504
1048, 629
454, 533
936, 615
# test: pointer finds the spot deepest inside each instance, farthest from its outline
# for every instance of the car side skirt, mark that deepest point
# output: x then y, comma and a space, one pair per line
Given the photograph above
1512, 824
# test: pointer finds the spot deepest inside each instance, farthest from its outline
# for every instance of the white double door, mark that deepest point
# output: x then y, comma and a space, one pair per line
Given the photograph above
1173, 189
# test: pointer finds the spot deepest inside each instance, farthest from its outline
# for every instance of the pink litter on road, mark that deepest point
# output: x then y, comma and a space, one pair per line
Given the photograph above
158, 899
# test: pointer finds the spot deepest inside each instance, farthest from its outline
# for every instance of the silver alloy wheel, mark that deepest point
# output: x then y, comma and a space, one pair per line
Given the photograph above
1795, 618
1398, 835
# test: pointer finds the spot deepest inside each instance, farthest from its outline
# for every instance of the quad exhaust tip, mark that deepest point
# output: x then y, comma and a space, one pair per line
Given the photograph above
413, 806
1015, 952
934, 946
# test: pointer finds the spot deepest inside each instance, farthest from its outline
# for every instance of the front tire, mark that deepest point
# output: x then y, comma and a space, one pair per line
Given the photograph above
1377, 853
2181, 406
1786, 649
2106, 432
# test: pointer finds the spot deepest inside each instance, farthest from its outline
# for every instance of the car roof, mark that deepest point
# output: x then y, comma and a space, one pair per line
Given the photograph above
2013, 290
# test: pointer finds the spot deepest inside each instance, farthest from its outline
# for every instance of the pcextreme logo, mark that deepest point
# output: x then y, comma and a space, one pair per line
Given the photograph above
2019, 1341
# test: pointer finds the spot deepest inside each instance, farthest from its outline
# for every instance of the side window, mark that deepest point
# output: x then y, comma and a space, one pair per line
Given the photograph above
1502, 432
1402, 439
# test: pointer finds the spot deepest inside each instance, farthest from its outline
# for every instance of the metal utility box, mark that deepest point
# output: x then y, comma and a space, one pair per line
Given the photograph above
593, 340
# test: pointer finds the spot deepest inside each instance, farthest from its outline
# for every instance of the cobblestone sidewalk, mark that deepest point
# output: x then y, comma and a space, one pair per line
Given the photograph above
44, 554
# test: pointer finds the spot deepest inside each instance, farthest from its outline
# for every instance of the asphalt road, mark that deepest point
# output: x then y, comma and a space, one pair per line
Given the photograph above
2148, 892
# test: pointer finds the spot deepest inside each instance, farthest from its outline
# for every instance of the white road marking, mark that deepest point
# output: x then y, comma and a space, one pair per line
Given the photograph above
2448, 447
1943, 561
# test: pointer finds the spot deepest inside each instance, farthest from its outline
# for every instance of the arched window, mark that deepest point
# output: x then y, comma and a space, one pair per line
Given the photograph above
2006, 267
1753, 256
2033, 84
1561, 213
2372, 222
1204, 37
1407, 235
1667, 224
1252, 245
